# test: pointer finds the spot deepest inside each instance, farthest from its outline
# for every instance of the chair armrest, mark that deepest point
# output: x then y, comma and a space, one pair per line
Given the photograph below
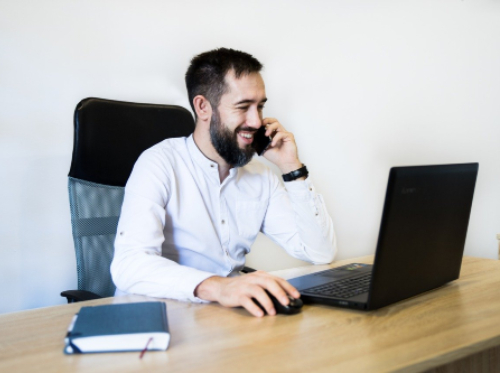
79, 295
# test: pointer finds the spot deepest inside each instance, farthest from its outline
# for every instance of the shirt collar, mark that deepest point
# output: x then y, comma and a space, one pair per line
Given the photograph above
200, 158
209, 167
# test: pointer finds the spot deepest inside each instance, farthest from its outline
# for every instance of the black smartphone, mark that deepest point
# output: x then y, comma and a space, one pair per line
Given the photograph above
260, 141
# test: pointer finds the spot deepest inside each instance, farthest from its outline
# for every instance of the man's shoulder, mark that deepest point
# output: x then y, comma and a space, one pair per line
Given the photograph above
167, 147
171, 144
163, 155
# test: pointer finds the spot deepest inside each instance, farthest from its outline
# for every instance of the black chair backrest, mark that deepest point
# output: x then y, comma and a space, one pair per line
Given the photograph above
109, 137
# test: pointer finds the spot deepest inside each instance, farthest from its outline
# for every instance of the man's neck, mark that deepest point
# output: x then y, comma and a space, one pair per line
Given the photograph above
205, 145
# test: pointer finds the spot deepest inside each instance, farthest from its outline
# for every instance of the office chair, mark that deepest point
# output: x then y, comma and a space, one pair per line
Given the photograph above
109, 136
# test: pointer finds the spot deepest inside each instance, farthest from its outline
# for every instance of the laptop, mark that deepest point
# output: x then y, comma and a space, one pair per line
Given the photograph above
420, 245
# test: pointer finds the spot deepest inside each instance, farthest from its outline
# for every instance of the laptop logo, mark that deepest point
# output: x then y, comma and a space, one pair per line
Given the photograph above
409, 190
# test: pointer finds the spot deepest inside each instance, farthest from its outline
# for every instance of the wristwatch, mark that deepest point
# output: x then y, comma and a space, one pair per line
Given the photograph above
294, 175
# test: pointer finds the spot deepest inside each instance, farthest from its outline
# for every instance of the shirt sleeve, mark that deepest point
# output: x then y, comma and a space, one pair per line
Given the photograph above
138, 266
297, 220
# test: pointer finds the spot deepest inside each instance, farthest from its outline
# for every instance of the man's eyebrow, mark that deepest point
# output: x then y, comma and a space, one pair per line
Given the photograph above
249, 101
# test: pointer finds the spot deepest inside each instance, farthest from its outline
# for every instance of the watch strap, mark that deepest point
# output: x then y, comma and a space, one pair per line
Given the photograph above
294, 175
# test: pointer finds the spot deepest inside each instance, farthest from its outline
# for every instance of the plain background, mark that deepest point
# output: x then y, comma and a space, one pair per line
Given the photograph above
364, 86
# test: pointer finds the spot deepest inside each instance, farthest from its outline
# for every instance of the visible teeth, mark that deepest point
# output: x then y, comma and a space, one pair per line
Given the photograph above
247, 135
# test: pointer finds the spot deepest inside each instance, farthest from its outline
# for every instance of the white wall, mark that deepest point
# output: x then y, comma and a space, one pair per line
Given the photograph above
364, 85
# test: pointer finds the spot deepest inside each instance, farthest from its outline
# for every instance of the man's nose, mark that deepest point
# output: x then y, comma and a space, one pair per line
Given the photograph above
254, 119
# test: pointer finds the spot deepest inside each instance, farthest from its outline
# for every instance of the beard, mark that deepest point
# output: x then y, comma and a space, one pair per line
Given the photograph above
226, 144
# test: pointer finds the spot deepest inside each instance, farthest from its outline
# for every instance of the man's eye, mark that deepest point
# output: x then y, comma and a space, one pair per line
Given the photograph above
243, 108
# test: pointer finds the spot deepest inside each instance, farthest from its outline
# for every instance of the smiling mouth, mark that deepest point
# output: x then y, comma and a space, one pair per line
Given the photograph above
247, 135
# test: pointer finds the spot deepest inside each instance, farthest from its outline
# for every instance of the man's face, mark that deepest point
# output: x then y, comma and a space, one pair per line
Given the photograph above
237, 118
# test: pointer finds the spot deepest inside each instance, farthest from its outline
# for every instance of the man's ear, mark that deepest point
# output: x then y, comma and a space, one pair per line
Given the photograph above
202, 107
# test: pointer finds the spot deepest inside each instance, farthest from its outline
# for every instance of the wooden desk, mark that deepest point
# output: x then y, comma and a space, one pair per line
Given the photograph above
452, 323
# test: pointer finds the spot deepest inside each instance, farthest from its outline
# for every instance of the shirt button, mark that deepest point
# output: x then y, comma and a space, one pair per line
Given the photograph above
311, 189
212, 165
223, 221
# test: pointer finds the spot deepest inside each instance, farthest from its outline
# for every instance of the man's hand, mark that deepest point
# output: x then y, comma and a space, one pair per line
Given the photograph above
239, 291
282, 150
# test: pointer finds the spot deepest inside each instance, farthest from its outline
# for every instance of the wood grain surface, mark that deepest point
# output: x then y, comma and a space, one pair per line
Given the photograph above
457, 321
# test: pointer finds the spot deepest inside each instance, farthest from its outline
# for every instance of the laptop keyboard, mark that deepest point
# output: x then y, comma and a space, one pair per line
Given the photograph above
343, 289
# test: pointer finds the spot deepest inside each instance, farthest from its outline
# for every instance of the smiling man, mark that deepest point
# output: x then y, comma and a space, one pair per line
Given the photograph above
193, 206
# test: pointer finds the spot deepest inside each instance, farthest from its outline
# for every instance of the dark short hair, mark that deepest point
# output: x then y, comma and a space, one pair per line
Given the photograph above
207, 71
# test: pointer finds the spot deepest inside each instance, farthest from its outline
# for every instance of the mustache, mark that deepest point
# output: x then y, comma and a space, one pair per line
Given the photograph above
246, 129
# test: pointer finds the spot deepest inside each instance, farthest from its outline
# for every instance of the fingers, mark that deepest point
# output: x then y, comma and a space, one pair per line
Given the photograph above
276, 132
272, 126
242, 291
289, 289
277, 286
282, 151
269, 121
251, 296
281, 137
252, 307
265, 302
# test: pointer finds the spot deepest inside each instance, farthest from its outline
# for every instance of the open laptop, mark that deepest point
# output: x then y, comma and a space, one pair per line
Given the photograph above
420, 244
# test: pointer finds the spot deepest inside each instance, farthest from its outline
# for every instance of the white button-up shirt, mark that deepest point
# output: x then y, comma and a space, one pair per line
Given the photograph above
179, 225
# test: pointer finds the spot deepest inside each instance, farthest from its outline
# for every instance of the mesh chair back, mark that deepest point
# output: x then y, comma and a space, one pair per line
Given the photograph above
109, 137
95, 210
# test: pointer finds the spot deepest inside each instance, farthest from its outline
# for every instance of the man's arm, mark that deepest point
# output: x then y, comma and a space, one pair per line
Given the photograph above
297, 220
296, 217
138, 265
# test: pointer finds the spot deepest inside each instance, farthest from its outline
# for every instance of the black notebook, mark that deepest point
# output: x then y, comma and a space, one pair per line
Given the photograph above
119, 327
